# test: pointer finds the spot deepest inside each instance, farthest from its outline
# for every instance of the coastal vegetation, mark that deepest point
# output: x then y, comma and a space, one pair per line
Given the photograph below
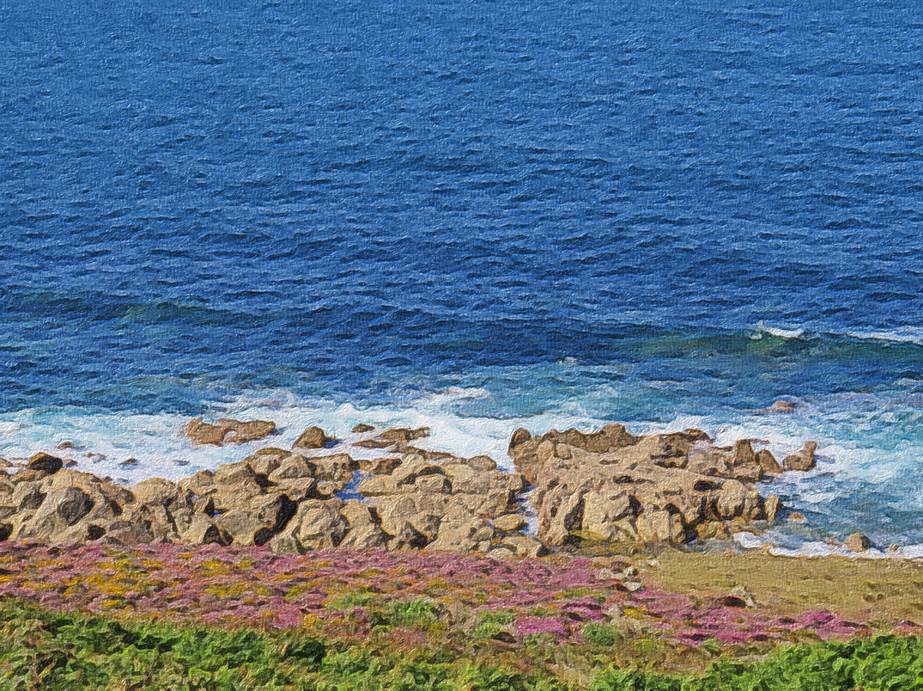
52, 650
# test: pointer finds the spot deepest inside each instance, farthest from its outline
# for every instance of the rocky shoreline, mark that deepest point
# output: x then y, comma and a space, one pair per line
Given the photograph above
568, 488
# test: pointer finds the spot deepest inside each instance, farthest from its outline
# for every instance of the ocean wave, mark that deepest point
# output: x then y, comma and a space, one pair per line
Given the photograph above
778, 332
902, 334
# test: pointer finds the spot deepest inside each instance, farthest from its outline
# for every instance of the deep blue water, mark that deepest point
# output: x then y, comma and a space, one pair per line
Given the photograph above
575, 211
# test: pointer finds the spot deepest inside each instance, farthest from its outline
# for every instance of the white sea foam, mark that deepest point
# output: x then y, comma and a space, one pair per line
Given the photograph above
777, 331
902, 334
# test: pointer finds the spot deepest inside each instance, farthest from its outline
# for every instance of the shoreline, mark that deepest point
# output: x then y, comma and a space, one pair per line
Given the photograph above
717, 493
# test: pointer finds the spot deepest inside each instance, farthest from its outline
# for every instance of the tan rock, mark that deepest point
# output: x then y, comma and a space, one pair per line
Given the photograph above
44, 463
768, 462
510, 523
257, 522
155, 490
312, 438
801, 460
227, 431
380, 466
339, 467
857, 542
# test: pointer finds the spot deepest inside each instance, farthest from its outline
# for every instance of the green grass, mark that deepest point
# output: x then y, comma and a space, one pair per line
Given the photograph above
47, 650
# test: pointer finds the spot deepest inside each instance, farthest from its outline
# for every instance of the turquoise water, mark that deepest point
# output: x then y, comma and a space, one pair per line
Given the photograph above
472, 216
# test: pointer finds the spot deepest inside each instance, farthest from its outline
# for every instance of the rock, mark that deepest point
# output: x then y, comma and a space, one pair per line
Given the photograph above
362, 428
857, 542
292, 467
612, 486
203, 531
459, 531
524, 545
66, 444
797, 517
259, 521
379, 466
782, 406
317, 524
484, 463
771, 507
44, 463
227, 430
768, 462
338, 468
520, 436
266, 460
394, 438
510, 523
802, 460
410, 514
364, 529
312, 438
155, 490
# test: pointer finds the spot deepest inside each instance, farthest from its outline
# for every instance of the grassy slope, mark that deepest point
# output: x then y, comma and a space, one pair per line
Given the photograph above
884, 592
70, 651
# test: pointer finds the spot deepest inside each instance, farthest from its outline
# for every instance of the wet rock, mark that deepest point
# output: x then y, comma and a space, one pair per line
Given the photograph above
312, 438
802, 460
396, 438
857, 542
771, 507
44, 463
782, 406
362, 428
227, 431
768, 462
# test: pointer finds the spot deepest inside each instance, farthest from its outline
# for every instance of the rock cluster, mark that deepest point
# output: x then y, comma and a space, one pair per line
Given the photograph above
412, 499
613, 486
607, 485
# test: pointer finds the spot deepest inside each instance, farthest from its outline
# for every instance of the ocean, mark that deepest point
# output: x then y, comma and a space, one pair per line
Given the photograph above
472, 216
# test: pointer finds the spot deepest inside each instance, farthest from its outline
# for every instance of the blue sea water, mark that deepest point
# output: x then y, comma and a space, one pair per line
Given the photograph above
471, 215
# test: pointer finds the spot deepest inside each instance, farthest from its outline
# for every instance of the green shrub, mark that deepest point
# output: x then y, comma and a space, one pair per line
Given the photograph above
418, 613
601, 634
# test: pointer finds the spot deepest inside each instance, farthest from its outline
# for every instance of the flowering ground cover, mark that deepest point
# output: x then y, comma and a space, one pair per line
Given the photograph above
354, 594
562, 618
